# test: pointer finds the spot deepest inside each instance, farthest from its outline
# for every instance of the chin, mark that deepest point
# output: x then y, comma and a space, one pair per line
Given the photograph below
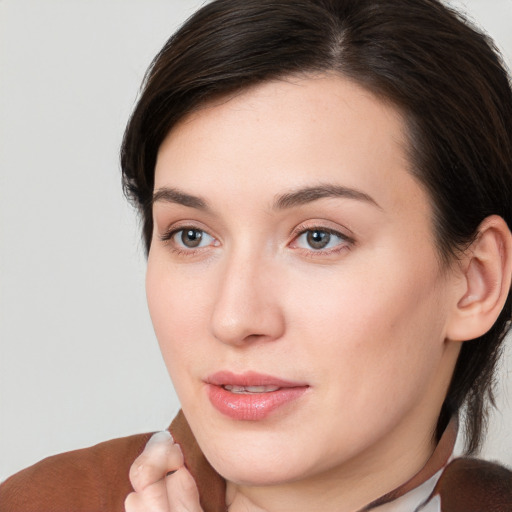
256, 453
257, 460
257, 473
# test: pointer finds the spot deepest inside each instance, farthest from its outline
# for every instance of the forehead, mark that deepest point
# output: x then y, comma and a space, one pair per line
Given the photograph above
294, 132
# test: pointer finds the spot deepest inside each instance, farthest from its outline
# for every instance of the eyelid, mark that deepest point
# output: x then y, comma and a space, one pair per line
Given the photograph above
181, 225
167, 236
347, 241
320, 225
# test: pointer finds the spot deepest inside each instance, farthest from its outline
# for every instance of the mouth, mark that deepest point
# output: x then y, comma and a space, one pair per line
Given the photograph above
251, 396
245, 390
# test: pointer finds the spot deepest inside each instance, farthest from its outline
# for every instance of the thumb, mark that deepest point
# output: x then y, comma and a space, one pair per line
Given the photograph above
160, 456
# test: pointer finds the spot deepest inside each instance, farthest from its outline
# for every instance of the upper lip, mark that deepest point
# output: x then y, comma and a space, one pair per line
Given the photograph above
250, 378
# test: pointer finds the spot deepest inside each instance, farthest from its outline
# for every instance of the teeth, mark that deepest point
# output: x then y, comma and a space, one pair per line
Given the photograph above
250, 389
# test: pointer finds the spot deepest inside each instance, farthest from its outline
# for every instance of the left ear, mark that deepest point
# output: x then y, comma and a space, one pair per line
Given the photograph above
486, 276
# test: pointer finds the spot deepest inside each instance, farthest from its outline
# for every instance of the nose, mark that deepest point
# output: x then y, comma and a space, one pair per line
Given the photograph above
247, 306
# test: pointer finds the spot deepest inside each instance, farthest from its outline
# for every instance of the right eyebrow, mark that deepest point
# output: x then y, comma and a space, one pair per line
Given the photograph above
176, 196
310, 194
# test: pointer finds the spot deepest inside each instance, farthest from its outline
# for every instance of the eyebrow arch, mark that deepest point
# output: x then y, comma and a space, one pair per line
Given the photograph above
173, 195
282, 202
310, 194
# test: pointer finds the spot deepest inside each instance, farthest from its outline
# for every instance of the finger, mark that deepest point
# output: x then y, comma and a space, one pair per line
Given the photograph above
152, 499
182, 492
160, 456
132, 503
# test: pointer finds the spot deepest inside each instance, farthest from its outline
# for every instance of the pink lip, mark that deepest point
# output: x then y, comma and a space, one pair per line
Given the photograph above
251, 406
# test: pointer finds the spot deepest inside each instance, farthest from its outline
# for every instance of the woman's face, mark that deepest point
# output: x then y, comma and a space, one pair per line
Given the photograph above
294, 286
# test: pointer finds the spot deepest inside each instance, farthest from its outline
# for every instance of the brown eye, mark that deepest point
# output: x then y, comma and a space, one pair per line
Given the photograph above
318, 239
190, 238
321, 240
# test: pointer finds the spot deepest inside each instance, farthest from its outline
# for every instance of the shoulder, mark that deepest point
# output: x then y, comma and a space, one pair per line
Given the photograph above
473, 485
89, 479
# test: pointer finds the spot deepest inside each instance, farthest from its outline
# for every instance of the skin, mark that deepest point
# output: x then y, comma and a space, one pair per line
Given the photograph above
364, 322
154, 489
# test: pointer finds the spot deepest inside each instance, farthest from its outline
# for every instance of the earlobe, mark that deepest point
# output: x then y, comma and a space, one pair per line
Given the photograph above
487, 273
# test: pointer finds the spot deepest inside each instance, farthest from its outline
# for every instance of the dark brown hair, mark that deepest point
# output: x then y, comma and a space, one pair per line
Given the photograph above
444, 75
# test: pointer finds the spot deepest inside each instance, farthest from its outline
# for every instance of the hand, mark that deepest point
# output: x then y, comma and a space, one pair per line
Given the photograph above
161, 481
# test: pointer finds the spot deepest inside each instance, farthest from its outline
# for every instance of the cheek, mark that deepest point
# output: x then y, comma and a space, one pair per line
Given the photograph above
373, 328
178, 313
373, 347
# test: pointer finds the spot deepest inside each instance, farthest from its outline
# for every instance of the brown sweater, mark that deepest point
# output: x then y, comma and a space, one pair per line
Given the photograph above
96, 479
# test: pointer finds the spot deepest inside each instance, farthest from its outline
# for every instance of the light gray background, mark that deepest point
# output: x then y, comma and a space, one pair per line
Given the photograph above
79, 363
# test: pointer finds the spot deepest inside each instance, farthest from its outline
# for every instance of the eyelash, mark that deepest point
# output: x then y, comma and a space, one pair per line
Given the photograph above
167, 237
346, 243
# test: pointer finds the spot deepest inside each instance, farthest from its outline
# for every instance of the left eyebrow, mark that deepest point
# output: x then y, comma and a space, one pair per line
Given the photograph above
309, 194
176, 196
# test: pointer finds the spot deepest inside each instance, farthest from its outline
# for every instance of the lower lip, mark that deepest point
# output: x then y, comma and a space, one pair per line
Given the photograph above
251, 406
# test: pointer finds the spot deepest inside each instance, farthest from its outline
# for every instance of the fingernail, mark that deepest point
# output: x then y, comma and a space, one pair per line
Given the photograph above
161, 437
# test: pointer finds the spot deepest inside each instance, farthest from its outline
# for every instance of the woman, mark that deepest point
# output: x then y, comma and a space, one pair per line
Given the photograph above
325, 193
